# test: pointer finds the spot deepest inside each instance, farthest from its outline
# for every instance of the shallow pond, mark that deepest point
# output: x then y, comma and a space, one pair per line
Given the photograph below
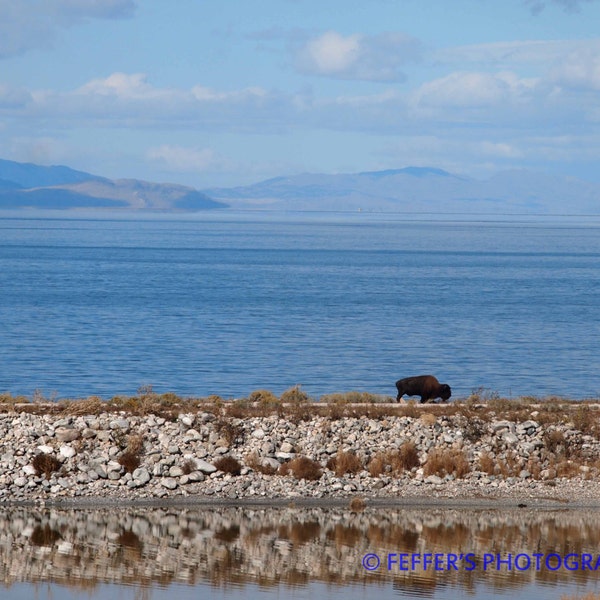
275, 552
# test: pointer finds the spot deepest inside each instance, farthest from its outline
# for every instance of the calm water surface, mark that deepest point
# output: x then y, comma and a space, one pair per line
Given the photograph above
262, 552
229, 303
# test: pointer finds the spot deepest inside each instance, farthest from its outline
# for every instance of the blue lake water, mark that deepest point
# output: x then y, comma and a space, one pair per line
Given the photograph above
227, 303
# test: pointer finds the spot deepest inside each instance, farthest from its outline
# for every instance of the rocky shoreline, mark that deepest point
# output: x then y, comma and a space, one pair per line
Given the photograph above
132, 458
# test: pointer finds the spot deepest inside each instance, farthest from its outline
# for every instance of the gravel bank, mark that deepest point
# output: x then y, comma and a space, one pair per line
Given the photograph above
119, 457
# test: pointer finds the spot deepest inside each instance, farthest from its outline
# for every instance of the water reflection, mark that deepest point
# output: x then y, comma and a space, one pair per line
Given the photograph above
232, 549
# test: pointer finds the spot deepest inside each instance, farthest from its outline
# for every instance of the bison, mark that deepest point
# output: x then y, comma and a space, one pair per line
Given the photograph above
426, 386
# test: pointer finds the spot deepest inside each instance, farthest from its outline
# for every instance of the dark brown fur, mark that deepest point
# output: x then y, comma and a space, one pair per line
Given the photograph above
426, 386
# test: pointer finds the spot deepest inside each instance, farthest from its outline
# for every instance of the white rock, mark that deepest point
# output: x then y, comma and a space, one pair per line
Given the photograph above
46, 449
187, 420
67, 451
28, 470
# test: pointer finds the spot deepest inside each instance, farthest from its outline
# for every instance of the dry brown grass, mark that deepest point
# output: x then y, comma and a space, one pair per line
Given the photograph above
129, 461
255, 463
394, 462
130, 458
295, 395
264, 397
229, 431
188, 466
482, 404
345, 462
45, 464
228, 464
587, 596
302, 467
487, 463
443, 461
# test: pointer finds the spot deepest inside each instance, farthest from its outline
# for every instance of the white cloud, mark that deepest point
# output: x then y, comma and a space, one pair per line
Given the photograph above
360, 57
579, 70
332, 53
29, 24
474, 90
120, 85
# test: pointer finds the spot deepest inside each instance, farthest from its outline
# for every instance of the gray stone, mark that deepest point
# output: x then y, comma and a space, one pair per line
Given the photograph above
67, 434
119, 424
169, 483
434, 479
205, 467
141, 475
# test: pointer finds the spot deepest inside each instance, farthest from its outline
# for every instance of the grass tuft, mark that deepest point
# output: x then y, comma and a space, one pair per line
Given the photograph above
45, 464
228, 464
302, 468
442, 462
345, 462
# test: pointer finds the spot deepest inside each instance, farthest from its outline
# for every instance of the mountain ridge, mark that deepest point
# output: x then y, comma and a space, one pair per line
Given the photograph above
419, 189
27, 185
412, 189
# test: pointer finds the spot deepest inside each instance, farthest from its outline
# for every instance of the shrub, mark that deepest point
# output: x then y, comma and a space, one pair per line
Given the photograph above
555, 441
188, 466
134, 447
486, 463
264, 397
377, 465
395, 462
294, 395
474, 430
302, 468
345, 462
408, 457
228, 464
45, 464
255, 463
441, 462
229, 432
129, 461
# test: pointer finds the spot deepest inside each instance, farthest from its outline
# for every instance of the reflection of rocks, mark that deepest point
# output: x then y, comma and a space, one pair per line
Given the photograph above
278, 545
45, 456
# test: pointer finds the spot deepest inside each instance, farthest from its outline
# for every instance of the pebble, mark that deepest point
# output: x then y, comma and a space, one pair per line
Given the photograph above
178, 457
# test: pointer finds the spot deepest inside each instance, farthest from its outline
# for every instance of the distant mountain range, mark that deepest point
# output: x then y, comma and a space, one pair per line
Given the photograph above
419, 189
25, 185
408, 190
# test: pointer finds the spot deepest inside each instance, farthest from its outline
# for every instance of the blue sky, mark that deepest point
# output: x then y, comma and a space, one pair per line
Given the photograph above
229, 92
